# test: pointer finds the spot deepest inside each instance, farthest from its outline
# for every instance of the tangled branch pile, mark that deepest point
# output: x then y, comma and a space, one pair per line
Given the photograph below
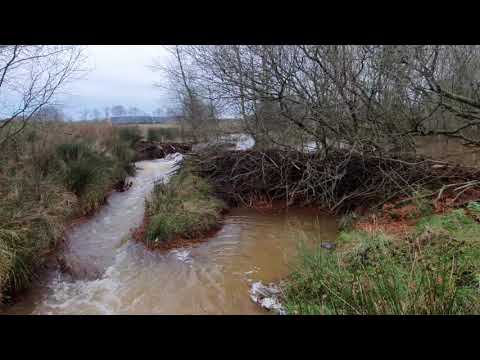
341, 181
149, 150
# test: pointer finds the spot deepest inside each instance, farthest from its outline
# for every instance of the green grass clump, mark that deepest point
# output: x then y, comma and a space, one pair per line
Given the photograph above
421, 201
184, 207
90, 173
474, 208
436, 270
347, 221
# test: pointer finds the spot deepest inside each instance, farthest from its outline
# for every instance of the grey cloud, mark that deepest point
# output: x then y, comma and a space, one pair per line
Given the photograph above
118, 75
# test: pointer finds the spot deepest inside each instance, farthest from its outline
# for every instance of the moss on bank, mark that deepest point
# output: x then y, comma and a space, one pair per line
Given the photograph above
434, 270
185, 207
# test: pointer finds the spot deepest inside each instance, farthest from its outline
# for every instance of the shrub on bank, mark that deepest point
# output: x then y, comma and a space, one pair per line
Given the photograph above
129, 134
436, 270
90, 174
184, 207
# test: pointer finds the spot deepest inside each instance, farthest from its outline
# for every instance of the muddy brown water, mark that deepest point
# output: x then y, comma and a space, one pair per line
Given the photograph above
111, 274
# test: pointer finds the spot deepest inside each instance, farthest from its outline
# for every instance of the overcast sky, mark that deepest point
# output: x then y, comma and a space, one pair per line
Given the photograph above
119, 75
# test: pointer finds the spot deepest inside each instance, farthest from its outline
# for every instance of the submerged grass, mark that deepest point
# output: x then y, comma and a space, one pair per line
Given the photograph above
185, 207
49, 174
435, 270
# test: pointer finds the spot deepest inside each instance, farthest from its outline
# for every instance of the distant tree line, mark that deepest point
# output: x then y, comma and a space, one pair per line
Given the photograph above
123, 112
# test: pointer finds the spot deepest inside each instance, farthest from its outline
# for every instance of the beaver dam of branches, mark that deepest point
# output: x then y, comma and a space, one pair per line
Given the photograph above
342, 181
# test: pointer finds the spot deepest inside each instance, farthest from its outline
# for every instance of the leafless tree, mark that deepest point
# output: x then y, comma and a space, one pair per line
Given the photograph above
374, 98
363, 106
195, 99
30, 77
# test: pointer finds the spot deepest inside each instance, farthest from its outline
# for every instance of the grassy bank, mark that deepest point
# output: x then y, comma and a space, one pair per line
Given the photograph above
184, 208
433, 270
50, 174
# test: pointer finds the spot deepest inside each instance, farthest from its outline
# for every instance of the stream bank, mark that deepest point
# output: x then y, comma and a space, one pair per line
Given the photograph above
416, 256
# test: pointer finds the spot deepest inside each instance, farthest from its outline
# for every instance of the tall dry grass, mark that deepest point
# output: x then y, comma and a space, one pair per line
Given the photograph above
49, 174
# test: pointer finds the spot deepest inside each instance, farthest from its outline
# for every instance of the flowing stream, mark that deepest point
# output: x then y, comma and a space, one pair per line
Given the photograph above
111, 274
